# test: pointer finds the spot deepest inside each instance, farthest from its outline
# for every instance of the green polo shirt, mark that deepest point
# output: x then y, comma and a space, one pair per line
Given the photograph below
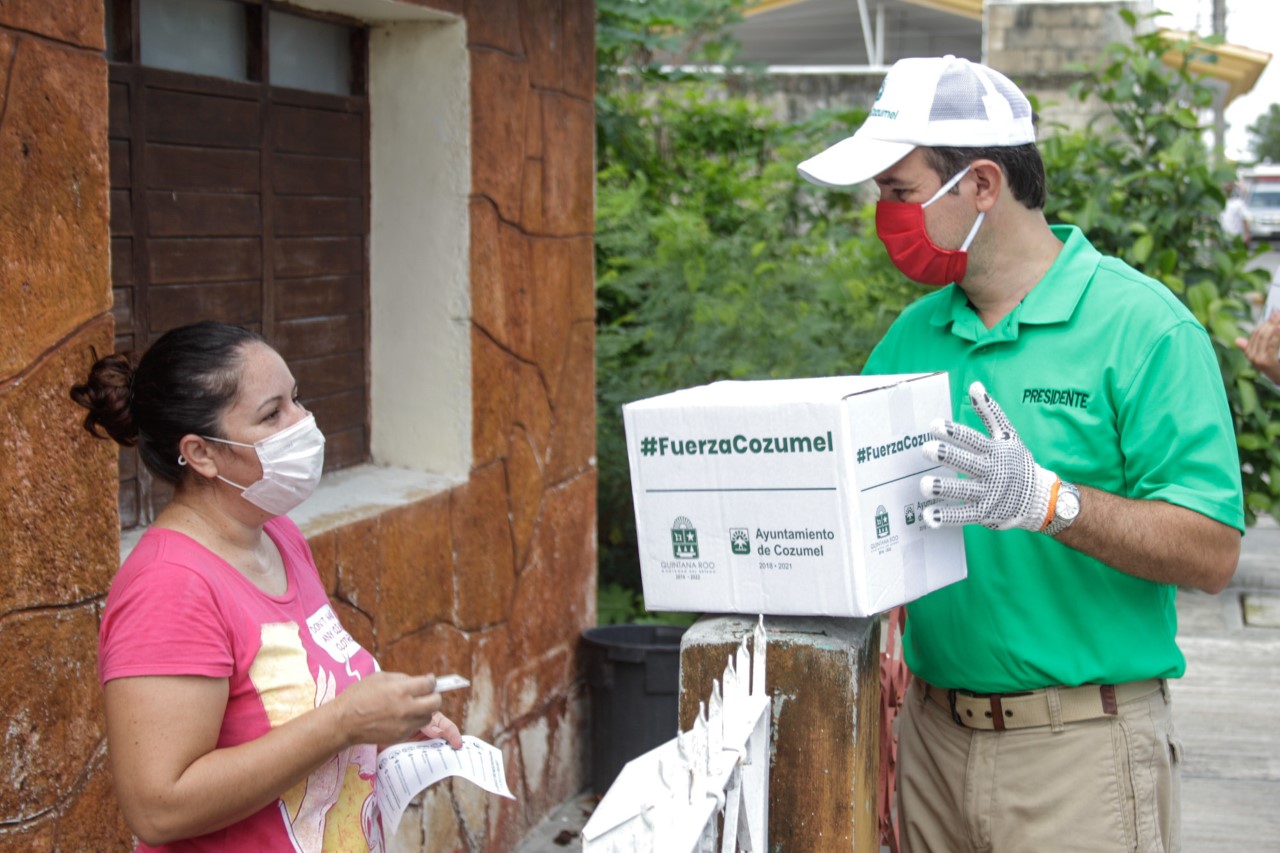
1111, 383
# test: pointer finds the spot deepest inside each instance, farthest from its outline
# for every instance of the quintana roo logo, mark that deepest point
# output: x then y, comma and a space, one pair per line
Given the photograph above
684, 539
882, 522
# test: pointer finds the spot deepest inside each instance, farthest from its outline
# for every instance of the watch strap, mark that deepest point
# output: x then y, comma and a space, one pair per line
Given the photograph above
1058, 522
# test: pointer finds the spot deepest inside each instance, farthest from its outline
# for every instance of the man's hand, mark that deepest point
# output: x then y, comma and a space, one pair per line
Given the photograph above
1005, 488
1263, 347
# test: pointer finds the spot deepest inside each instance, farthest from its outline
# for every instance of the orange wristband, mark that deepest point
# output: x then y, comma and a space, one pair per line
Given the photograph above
1053, 502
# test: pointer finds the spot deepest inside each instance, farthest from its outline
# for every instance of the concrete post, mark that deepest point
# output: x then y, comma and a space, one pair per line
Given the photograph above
824, 679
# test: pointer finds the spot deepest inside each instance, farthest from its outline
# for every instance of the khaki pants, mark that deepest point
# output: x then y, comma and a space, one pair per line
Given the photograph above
1101, 785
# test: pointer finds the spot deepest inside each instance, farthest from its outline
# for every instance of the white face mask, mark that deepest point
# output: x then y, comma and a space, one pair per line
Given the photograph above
292, 460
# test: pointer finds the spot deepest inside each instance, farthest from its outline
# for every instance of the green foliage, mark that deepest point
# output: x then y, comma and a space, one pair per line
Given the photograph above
1141, 184
713, 259
619, 605
1264, 135
636, 40
635, 36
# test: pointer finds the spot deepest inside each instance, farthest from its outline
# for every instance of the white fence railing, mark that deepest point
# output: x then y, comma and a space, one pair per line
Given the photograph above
707, 790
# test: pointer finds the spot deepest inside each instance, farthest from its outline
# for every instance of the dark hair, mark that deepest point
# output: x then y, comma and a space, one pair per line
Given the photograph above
1022, 165
182, 385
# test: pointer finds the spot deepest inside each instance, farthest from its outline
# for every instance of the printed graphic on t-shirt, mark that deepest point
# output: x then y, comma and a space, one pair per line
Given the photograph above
329, 635
334, 808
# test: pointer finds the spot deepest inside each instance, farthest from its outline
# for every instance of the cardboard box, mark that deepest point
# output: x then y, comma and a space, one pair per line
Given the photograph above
796, 496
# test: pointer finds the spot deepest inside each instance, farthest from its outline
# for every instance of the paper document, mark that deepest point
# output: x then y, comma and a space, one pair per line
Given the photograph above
407, 769
1273, 301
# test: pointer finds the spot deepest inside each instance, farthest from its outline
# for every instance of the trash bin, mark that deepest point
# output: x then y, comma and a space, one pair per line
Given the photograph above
633, 673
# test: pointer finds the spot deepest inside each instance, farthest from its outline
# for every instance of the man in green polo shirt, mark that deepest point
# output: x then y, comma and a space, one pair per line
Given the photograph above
1100, 473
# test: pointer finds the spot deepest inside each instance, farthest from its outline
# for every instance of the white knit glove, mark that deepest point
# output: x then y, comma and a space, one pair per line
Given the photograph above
1006, 489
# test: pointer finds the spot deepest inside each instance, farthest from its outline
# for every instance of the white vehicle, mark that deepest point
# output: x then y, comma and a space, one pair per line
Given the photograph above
1262, 201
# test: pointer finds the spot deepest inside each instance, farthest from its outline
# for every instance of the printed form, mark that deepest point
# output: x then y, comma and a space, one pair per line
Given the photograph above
407, 769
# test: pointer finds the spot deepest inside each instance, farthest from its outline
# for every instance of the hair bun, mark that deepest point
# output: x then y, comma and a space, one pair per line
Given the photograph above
107, 395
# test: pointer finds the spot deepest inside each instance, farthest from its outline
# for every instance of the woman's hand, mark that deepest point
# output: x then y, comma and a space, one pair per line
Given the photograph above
441, 726
388, 707
1263, 347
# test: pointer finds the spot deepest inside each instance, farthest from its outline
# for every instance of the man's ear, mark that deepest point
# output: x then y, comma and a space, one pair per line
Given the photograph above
196, 451
989, 180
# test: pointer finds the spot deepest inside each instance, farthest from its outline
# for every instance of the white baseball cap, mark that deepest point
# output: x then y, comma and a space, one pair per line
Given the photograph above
933, 101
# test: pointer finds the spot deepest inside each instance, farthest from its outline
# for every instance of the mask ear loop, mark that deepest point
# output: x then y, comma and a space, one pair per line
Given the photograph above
948, 185
182, 460
973, 232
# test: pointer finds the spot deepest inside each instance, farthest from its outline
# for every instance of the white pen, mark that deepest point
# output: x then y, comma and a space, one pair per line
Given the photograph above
450, 682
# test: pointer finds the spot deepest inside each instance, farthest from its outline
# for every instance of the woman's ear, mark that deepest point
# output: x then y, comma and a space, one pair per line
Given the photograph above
989, 180
194, 453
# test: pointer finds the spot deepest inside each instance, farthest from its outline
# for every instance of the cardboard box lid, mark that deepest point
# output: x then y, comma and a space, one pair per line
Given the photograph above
754, 392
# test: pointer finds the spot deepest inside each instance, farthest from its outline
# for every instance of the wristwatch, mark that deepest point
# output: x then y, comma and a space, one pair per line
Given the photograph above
1065, 510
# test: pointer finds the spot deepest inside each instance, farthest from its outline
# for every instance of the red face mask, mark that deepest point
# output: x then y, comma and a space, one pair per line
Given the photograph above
900, 226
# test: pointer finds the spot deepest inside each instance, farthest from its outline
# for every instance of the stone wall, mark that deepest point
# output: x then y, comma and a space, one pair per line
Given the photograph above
58, 521
521, 533
796, 97
1037, 44
494, 579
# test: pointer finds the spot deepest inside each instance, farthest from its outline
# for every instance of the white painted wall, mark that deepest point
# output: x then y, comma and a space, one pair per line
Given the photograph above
420, 247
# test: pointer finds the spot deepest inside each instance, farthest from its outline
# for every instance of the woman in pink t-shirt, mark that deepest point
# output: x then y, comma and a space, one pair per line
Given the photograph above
240, 714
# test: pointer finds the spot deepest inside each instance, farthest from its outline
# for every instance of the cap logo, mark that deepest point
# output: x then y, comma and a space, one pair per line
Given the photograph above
876, 112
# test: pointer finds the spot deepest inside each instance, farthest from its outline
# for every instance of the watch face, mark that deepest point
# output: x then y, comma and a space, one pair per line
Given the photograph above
1068, 505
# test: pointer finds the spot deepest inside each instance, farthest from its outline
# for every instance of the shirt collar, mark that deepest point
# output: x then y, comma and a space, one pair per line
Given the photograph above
1052, 300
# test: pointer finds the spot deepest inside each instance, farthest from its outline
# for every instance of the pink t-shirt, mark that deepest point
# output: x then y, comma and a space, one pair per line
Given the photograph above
176, 608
